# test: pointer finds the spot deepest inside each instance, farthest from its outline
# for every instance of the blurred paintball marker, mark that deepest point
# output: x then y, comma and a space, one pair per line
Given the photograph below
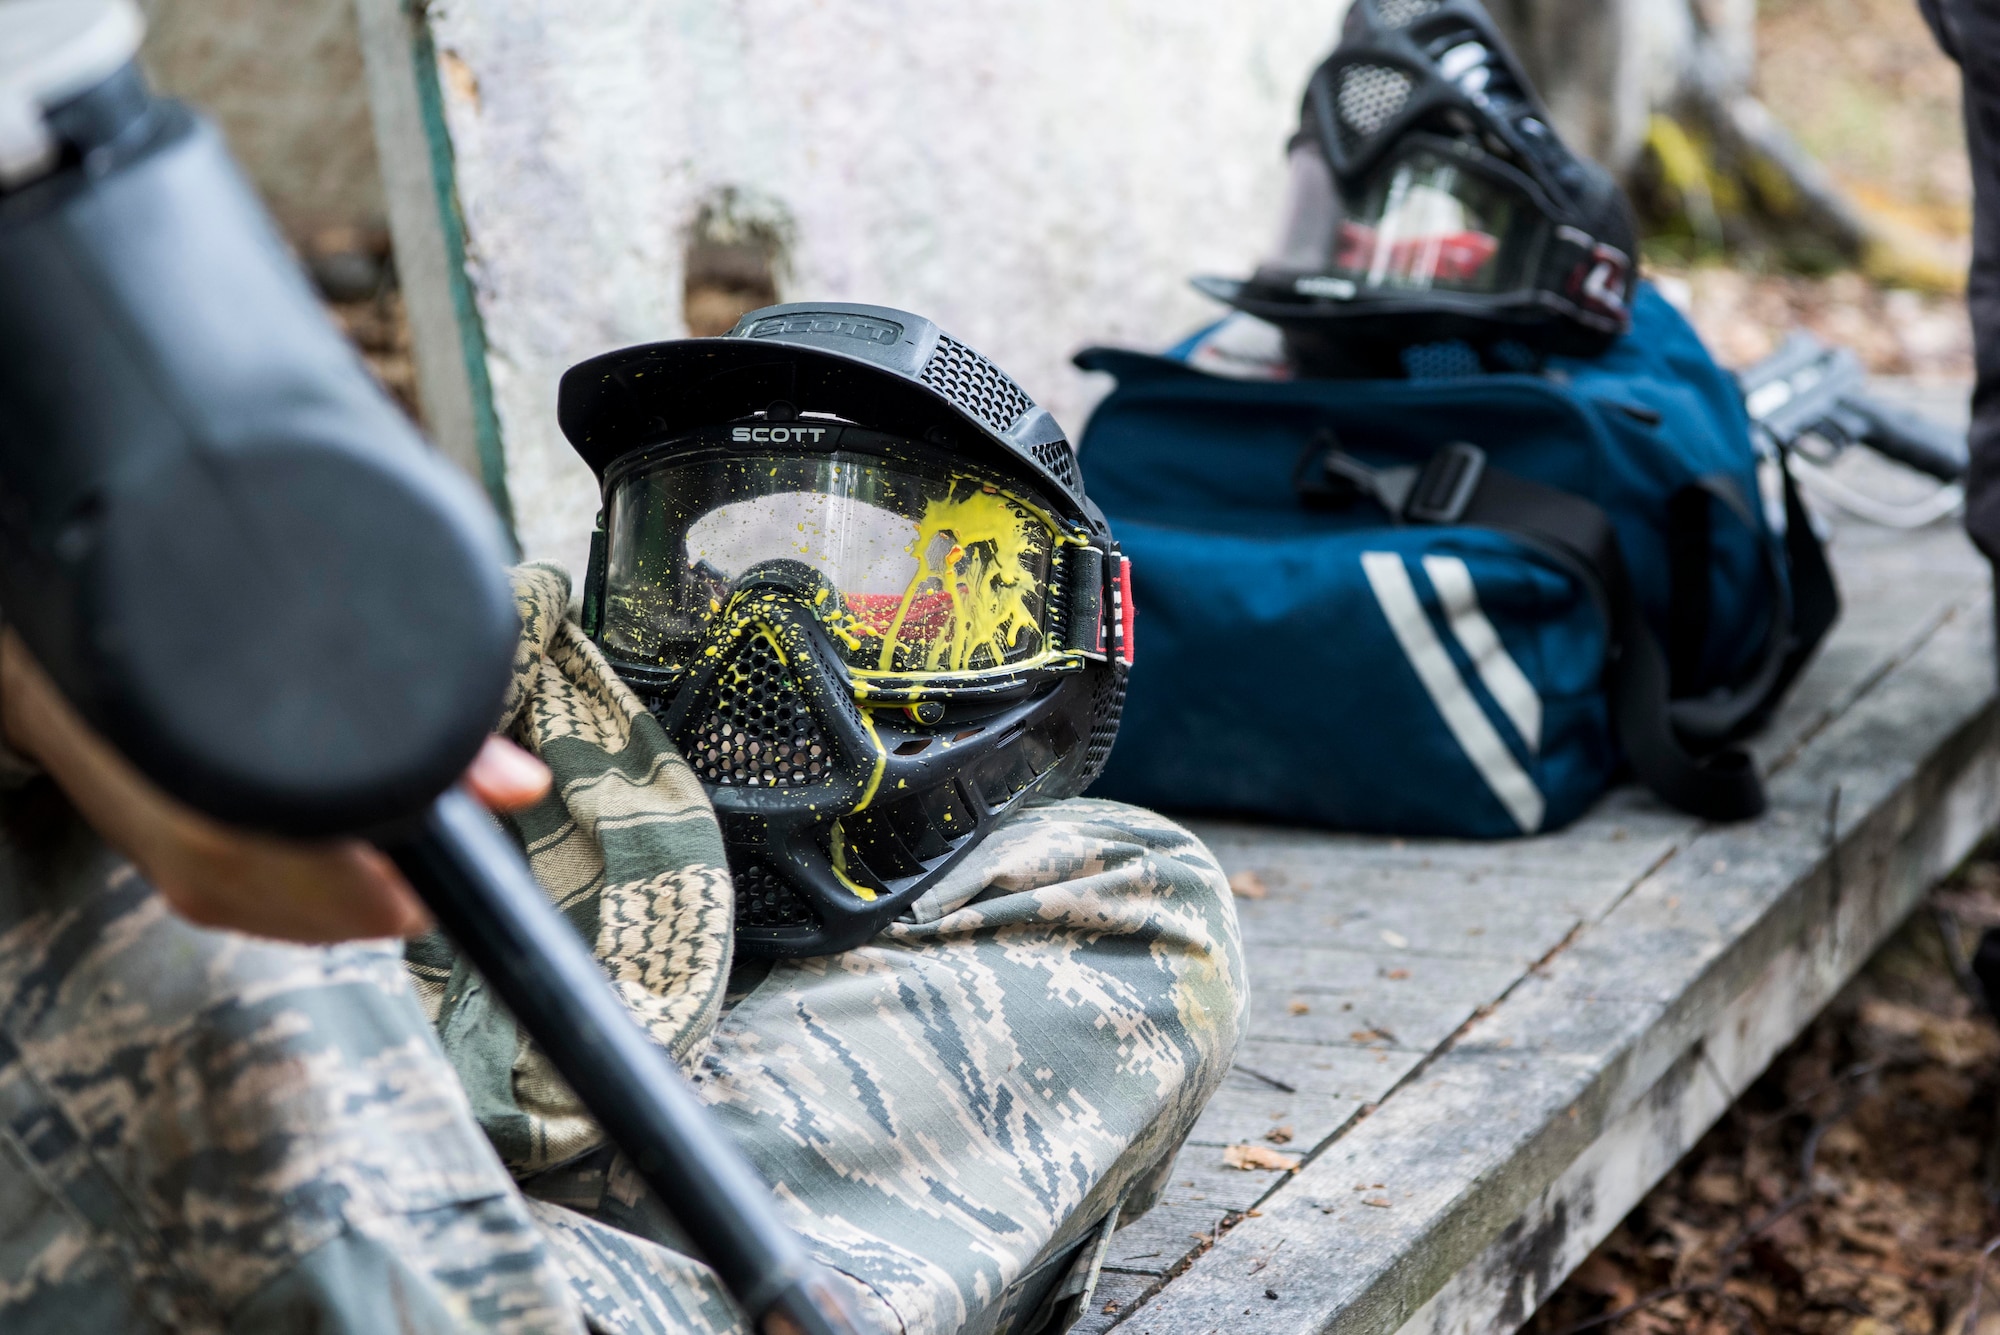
242, 566
1810, 401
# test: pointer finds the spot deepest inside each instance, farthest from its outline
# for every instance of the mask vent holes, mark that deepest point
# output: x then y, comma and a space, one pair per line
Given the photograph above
890, 842
916, 746
1058, 458
1006, 776
1370, 96
1402, 13
764, 898
975, 384
947, 813
1450, 360
759, 732
1107, 704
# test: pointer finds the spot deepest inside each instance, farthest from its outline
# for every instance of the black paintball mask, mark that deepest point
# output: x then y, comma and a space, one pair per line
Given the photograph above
849, 566
1434, 216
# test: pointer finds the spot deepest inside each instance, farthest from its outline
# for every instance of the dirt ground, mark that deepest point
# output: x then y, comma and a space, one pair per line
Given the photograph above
1864, 88
1849, 1190
377, 327
1743, 315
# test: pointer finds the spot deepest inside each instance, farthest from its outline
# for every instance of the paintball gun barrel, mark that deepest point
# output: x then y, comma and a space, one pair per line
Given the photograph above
1808, 389
241, 565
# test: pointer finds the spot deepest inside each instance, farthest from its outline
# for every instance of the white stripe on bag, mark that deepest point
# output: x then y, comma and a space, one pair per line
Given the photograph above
1469, 725
1475, 634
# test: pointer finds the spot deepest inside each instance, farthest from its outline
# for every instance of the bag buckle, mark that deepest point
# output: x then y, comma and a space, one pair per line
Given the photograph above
1437, 493
1446, 486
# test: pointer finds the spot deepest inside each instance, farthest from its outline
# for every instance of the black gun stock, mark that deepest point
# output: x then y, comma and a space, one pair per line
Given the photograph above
241, 565
473, 878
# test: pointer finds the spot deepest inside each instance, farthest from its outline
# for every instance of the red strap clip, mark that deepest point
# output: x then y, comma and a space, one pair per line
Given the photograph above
1123, 611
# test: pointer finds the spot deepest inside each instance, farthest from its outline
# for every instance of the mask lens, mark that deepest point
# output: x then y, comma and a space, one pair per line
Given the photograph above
923, 572
1425, 223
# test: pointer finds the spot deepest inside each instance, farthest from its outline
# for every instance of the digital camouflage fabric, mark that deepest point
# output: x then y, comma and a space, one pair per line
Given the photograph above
207, 1133
627, 846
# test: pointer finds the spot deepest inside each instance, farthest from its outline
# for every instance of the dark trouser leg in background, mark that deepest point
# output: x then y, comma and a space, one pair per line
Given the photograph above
1969, 32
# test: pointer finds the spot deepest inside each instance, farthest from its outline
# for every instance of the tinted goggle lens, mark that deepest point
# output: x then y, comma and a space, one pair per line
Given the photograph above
1426, 223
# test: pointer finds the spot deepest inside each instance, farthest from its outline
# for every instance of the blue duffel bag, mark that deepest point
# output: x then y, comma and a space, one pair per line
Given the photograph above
1455, 605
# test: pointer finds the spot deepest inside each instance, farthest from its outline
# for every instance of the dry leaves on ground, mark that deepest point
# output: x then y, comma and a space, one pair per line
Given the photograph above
1845, 1192
1743, 316
381, 333
1249, 1157
1248, 885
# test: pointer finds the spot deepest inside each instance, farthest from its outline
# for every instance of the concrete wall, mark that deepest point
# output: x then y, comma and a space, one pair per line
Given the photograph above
1034, 176
284, 79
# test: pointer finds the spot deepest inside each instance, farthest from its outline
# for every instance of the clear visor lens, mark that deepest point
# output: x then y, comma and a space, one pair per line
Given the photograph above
1429, 224
942, 573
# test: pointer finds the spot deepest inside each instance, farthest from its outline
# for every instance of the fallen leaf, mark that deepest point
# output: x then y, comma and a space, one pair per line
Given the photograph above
1396, 975
1379, 1202
1299, 1008
1958, 1043
1248, 885
1396, 939
1279, 1135
1717, 1188
1248, 1157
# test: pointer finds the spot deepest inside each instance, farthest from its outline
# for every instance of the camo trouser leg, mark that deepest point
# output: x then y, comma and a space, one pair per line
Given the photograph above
203, 1132
966, 1096
200, 1132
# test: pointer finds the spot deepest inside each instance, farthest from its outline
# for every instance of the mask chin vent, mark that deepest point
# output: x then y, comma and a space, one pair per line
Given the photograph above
1369, 97
757, 731
764, 898
1402, 13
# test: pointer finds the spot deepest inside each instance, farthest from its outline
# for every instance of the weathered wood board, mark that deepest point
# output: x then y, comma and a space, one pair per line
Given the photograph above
1491, 1052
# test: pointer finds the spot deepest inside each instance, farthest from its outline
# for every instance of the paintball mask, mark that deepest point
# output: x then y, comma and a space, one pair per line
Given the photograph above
849, 566
1432, 207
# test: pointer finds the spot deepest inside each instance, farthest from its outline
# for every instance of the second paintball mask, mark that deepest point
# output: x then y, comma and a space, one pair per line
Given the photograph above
1432, 205
850, 567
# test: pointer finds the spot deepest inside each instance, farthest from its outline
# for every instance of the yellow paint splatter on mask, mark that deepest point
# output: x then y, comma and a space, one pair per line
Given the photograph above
973, 549
837, 854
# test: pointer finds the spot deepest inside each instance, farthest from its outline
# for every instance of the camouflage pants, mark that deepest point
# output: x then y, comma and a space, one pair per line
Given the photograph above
204, 1132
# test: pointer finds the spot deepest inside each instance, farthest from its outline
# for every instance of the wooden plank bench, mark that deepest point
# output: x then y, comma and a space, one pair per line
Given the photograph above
1484, 1054
1487, 1054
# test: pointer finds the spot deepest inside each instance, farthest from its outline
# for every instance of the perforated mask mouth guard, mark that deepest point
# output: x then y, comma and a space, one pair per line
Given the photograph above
1431, 202
873, 611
